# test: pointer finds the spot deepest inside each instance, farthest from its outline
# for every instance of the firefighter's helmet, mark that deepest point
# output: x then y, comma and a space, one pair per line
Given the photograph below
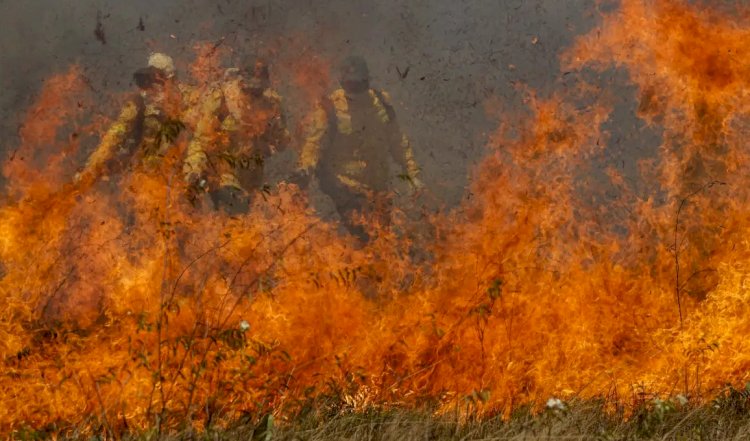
260, 71
163, 62
354, 69
232, 73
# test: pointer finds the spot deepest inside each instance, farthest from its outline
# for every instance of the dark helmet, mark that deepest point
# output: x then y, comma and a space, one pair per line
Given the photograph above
354, 69
260, 70
257, 77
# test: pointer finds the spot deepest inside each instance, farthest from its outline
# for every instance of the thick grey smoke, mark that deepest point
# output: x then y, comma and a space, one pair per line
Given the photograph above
458, 54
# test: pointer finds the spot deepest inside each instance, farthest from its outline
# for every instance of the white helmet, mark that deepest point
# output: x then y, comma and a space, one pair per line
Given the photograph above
162, 62
232, 73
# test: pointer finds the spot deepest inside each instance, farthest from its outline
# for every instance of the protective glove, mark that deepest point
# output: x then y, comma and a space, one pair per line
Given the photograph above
417, 184
196, 186
231, 200
301, 178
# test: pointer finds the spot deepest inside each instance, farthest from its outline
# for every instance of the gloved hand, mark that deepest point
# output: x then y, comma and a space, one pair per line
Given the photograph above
232, 200
301, 178
196, 186
85, 177
417, 184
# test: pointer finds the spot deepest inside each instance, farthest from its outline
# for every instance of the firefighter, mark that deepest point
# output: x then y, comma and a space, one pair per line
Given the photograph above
352, 137
147, 125
242, 125
133, 146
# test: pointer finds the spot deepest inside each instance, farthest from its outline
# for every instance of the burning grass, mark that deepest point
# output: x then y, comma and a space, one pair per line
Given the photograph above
126, 308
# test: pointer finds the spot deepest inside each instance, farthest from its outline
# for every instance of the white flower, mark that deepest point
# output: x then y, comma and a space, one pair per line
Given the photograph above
555, 404
244, 325
681, 399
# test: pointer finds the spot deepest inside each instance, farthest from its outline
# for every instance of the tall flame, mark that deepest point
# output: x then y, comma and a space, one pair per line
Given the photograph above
126, 306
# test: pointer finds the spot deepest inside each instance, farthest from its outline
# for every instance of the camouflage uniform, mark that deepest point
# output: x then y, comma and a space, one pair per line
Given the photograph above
241, 125
352, 137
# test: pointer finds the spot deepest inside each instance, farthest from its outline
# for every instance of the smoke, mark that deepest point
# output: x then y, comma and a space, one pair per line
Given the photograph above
527, 293
442, 61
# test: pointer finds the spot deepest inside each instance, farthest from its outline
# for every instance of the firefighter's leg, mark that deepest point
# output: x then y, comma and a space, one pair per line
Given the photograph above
230, 196
349, 204
380, 210
231, 200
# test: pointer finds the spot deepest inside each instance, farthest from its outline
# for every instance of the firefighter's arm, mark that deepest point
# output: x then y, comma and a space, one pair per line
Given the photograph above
279, 132
196, 158
400, 147
277, 127
112, 139
282, 135
405, 156
310, 152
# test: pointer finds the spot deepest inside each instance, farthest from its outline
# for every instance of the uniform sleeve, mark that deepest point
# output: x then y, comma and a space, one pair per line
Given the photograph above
279, 131
406, 156
310, 153
115, 137
400, 147
190, 101
196, 159
281, 135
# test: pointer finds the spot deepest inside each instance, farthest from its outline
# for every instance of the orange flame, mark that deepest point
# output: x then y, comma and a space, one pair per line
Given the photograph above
126, 307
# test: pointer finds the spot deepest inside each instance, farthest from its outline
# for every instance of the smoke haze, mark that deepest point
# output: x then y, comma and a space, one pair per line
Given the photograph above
460, 55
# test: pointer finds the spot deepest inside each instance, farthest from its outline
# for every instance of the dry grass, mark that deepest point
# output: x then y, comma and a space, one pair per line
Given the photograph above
725, 418
585, 421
